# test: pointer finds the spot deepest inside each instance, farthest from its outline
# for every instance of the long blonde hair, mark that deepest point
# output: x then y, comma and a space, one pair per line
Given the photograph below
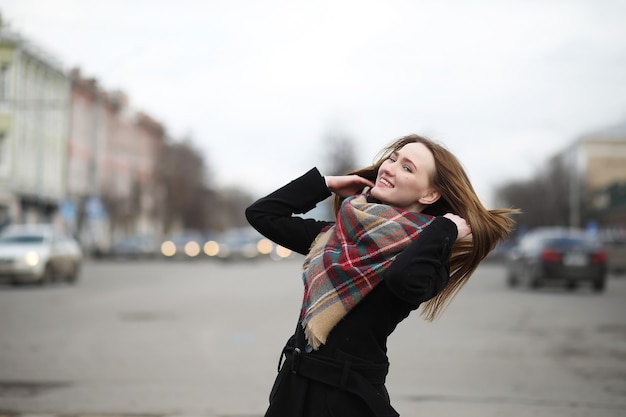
457, 196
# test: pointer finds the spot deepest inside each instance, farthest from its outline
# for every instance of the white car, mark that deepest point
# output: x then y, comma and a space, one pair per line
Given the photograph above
38, 253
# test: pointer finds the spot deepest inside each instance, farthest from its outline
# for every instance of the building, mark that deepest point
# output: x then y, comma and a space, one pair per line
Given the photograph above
113, 158
73, 153
597, 161
34, 122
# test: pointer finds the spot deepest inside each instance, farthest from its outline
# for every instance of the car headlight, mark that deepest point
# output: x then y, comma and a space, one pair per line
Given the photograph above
211, 248
283, 252
168, 248
192, 248
31, 258
265, 246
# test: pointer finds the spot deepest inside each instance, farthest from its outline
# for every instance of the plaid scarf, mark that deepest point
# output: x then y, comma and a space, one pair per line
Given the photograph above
347, 260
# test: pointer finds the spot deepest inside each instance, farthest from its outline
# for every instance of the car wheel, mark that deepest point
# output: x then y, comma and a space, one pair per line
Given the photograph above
73, 276
532, 280
599, 285
47, 275
511, 280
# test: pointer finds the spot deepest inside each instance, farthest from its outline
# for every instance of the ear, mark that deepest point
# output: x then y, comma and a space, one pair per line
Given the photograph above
430, 197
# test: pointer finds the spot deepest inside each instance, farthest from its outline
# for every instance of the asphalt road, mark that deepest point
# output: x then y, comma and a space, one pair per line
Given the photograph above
203, 339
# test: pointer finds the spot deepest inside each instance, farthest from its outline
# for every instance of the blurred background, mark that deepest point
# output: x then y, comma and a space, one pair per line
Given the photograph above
141, 130
146, 118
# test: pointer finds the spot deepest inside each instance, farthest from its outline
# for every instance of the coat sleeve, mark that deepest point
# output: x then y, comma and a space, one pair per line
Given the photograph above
422, 270
274, 215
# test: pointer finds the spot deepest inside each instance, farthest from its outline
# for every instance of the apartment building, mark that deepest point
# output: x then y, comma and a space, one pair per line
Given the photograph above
72, 152
34, 123
112, 166
598, 177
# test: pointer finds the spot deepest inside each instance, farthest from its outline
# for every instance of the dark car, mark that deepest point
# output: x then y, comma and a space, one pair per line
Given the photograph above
186, 245
242, 243
246, 244
615, 245
557, 256
135, 247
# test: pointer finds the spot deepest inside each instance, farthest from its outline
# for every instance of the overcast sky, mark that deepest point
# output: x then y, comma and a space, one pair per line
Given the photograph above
257, 85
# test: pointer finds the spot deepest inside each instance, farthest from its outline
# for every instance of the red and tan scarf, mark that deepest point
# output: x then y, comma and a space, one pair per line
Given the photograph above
347, 260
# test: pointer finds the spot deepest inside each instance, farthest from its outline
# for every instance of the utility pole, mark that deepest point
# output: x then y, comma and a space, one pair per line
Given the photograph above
574, 185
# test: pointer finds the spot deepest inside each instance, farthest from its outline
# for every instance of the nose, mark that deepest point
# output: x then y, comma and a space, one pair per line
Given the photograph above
388, 167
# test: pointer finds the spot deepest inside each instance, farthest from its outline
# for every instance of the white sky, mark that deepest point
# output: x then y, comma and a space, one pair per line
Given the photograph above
259, 84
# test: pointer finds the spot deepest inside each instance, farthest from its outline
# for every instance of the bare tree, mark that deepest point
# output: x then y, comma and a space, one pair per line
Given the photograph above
340, 154
229, 209
182, 173
543, 199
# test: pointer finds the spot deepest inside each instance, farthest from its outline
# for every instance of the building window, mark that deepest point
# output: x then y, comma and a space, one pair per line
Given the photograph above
4, 82
3, 149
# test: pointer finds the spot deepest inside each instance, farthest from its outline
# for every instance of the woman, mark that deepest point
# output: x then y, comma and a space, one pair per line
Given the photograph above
402, 239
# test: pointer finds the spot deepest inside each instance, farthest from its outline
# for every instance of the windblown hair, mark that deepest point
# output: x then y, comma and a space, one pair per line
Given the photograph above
457, 196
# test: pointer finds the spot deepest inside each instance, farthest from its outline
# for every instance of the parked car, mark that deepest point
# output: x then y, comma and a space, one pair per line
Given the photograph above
499, 253
558, 256
135, 247
242, 243
38, 253
184, 245
245, 244
616, 251
615, 245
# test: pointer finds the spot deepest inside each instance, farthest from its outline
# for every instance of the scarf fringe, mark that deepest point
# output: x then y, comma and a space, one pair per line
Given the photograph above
319, 326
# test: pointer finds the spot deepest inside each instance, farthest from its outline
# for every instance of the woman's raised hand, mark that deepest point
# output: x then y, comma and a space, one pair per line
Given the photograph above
347, 185
463, 229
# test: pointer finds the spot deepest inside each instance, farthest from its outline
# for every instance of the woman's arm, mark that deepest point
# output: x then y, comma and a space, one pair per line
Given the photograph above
273, 216
420, 271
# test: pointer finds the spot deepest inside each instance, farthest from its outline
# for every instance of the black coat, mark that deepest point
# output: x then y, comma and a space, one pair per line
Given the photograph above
360, 339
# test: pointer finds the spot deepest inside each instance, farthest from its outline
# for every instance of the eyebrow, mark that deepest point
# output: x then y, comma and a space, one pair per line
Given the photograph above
404, 158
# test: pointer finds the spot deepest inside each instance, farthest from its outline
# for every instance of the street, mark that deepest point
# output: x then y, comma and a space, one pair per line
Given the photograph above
203, 338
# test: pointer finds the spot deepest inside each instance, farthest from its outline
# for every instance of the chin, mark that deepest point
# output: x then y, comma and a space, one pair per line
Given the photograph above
375, 192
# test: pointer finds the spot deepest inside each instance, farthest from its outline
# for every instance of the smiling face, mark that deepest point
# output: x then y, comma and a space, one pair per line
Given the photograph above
403, 179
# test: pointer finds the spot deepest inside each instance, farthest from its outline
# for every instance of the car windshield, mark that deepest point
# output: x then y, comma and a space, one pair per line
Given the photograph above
20, 239
566, 242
